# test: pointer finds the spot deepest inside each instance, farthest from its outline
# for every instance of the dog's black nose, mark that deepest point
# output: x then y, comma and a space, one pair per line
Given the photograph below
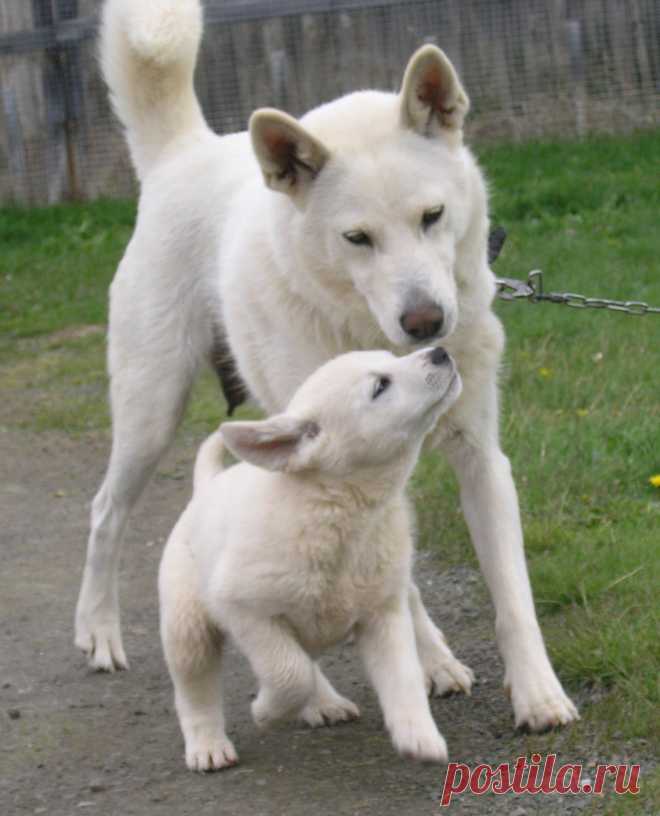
439, 356
423, 322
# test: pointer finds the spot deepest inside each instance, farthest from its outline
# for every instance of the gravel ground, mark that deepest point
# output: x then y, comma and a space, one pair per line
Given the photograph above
73, 740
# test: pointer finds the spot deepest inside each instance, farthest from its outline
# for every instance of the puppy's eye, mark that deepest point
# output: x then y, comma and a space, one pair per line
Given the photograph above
382, 384
432, 216
358, 237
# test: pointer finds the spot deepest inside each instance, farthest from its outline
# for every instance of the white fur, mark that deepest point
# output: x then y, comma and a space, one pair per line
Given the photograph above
216, 249
292, 559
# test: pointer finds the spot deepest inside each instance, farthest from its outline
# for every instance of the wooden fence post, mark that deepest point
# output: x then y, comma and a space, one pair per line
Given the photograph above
62, 93
575, 50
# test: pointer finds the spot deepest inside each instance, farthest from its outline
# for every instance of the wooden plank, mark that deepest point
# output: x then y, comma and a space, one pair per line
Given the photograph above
64, 32
244, 10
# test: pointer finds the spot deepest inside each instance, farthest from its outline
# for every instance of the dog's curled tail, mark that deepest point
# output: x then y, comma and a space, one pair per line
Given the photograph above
148, 50
208, 462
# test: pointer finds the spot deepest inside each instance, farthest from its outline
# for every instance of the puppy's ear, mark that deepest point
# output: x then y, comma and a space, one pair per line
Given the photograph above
275, 444
433, 101
289, 156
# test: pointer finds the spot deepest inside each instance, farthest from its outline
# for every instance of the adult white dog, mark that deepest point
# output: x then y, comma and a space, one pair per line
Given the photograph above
370, 231
313, 543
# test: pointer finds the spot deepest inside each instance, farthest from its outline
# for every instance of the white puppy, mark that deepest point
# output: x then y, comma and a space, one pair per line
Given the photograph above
305, 541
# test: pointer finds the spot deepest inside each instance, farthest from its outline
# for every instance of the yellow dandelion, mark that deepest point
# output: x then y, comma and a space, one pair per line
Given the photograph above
545, 373
655, 480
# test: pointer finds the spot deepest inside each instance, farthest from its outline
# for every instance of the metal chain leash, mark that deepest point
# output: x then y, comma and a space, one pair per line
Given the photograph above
532, 291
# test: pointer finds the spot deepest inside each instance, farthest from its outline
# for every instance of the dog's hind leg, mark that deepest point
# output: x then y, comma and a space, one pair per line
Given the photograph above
147, 403
443, 673
193, 650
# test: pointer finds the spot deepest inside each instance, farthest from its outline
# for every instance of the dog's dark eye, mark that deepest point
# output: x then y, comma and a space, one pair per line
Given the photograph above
382, 384
432, 216
358, 237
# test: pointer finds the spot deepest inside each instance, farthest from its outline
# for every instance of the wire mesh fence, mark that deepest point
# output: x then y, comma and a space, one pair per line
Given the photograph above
532, 68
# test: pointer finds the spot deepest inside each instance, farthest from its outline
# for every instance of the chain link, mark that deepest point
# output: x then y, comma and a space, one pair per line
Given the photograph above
532, 291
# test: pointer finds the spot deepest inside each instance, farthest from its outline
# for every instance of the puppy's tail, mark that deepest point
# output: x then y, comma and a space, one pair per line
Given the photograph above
208, 462
148, 53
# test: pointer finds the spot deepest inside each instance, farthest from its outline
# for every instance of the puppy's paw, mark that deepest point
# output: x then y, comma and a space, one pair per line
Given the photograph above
416, 737
539, 701
267, 711
322, 711
443, 675
210, 753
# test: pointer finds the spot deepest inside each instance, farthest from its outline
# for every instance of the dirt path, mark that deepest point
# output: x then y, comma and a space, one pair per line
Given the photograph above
72, 740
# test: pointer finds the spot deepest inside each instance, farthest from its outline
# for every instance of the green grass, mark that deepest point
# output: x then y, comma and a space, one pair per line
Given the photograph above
57, 263
581, 414
581, 407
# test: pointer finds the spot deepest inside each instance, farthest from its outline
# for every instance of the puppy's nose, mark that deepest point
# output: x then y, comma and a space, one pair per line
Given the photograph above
439, 356
423, 322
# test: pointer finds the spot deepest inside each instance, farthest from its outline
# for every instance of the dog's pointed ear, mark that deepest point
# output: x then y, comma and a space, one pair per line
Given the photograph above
274, 444
289, 156
433, 101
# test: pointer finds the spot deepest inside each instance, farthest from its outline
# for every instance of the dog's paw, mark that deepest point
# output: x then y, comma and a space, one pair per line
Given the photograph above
443, 675
416, 737
210, 753
322, 711
101, 643
540, 703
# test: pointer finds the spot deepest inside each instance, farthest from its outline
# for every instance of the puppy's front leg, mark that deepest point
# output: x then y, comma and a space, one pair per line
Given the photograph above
387, 645
286, 673
327, 706
443, 673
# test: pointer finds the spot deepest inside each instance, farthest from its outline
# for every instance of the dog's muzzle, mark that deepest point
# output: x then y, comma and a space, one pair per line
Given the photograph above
423, 322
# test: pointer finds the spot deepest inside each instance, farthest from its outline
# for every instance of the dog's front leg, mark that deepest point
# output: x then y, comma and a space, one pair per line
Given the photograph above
286, 673
387, 645
490, 506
